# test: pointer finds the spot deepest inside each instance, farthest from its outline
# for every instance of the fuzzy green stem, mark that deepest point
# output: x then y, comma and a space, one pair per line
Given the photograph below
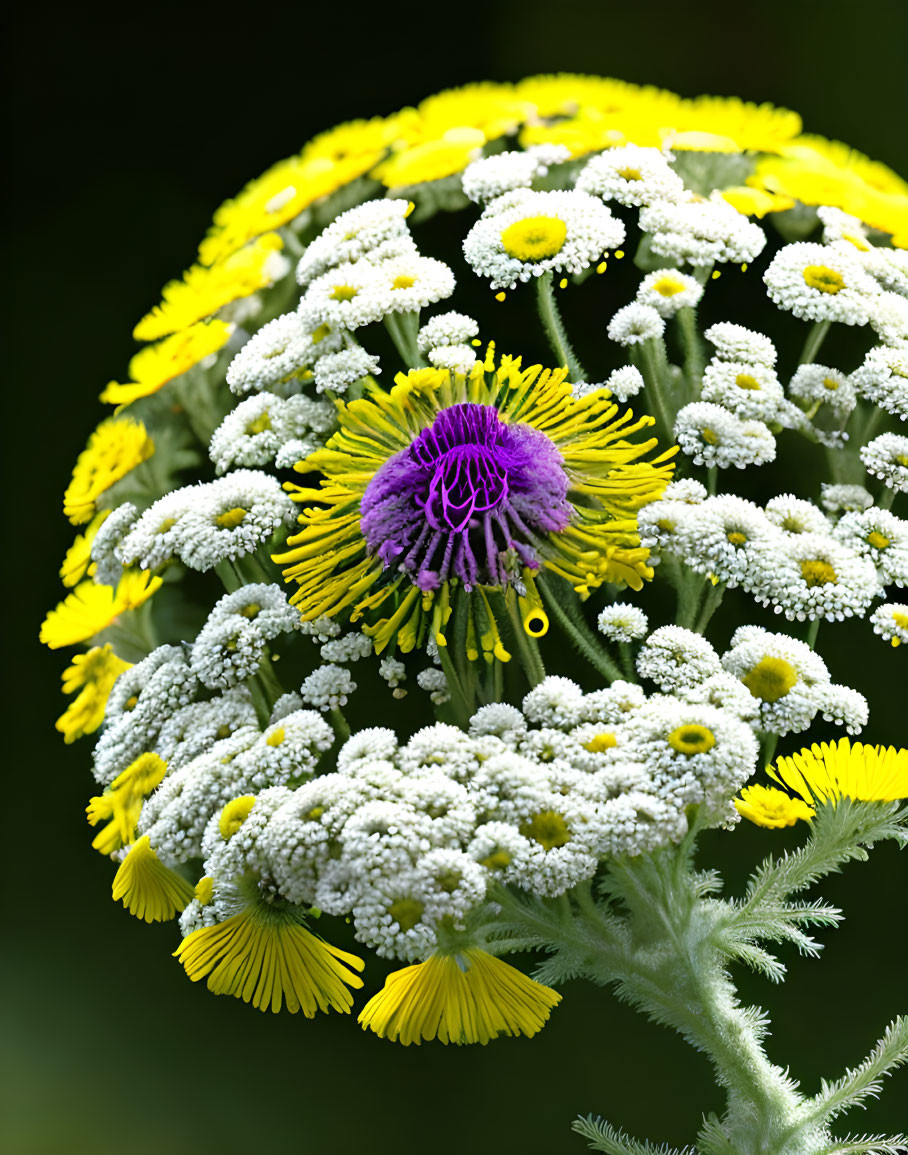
886, 498
404, 341
527, 648
339, 723
814, 341
712, 601
460, 702
584, 640
692, 344
627, 661
649, 357
550, 316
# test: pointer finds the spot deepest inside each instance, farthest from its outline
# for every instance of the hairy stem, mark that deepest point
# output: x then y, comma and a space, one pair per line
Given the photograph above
550, 316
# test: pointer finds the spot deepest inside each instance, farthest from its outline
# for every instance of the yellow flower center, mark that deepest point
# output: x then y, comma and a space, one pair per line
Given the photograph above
877, 540
601, 742
709, 436
630, 174
259, 425
131, 703
276, 738
204, 890
534, 238
234, 815
497, 860
231, 518
771, 679
745, 381
817, 572
222, 732
167, 523
320, 333
900, 619
736, 537
343, 292
315, 813
902, 459
548, 828
823, 279
251, 611
668, 286
665, 525
693, 739
406, 912
403, 282
830, 383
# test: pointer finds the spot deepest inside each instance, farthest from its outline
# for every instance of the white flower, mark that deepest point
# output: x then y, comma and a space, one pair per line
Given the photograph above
883, 379
621, 622
668, 290
815, 384
687, 489
446, 329
794, 515
278, 356
328, 687
712, 435
554, 702
104, 544
499, 719
457, 358
727, 538
231, 644
737, 343
632, 175
787, 680
748, 390
845, 707
192, 729
889, 318
259, 428
229, 518
701, 232
491, 176
524, 234
347, 648
634, 324
336, 371
625, 382
890, 621
881, 536
820, 283
434, 682
359, 293
352, 235
886, 457
673, 657
816, 576
841, 498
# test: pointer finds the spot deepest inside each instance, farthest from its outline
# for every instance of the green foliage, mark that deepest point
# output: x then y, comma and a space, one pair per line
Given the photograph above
603, 1137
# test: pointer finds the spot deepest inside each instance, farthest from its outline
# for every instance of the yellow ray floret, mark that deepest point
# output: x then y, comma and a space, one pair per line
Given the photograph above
116, 447
91, 608
77, 563
93, 675
155, 365
766, 806
828, 771
149, 889
266, 956
201, 291
121, 804
470, 997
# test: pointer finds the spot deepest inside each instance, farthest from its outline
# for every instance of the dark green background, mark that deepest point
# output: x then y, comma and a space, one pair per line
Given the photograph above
123, 137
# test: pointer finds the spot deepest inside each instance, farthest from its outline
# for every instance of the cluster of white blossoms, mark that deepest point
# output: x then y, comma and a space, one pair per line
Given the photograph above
408, 838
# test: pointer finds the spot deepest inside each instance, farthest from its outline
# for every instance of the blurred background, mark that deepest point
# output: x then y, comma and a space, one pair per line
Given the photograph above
123, 136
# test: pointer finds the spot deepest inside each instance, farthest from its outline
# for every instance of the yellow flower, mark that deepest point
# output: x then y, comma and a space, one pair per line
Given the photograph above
149, 889
121, 803
116, 447
766, 806
91, 608
202, 291
234, 815
756, 202
93, 675
78, 564
266, 956
470, 997
433, 159
727, 124
828, 771
327, 163
155, 365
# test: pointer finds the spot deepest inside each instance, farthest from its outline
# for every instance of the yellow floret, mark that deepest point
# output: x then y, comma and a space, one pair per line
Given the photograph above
77, 564
149, 889
93, 675
116, 447
121, 803
91, 608
155, 365
766, 806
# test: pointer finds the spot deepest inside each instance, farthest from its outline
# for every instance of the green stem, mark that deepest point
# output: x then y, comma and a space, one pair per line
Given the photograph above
886, 498
814, 341
526, 647
812, 630
694, 359
649, 357
712, 601
712, 480
584, 640
768, 744
554, 326
404, 342
230, 579
460, 703
627, 661
339, 724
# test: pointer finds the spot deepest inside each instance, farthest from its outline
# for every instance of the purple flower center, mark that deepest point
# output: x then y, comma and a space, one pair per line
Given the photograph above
470, 498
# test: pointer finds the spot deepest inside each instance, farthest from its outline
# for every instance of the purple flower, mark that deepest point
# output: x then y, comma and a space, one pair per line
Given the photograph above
470, 498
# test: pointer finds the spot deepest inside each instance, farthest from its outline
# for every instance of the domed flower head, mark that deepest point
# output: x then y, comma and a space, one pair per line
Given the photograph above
472, 483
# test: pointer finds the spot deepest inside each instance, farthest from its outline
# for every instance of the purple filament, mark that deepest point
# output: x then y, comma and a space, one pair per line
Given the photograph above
470, 498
